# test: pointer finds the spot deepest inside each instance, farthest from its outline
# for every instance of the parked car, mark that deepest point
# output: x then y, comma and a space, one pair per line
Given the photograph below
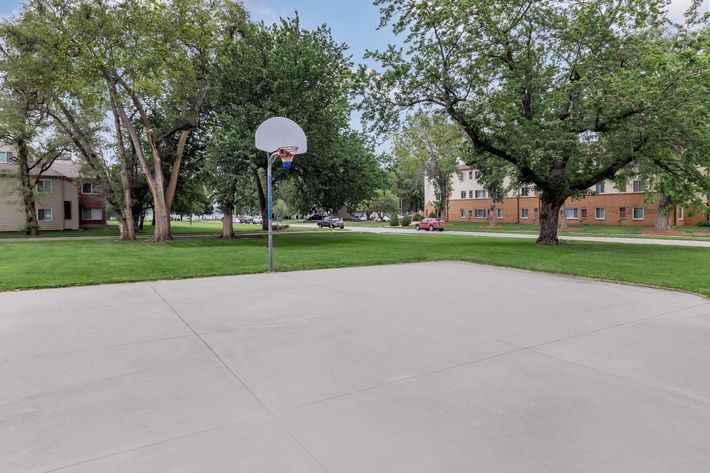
386, 218
331, 222
246, 219
361, 218
316, 218
430, 224
257, 220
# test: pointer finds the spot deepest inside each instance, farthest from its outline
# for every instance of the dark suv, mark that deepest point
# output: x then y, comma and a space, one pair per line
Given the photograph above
331, 222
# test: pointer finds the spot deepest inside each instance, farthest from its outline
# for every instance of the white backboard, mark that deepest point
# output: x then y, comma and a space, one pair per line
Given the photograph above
280, 132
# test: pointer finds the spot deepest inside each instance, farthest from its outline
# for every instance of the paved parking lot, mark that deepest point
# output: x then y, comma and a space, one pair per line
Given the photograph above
432, 367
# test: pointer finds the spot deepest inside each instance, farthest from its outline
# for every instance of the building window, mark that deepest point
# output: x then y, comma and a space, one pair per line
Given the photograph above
480, 194
463, 194
477, 174
523, 213
5, 157
460, 176
67, 210
536, 212
599, 213
463, 213
600, 188
571, 214
92, 214
622, 187
499, 213
89, 188
470, 175
622, 212
638, 213
480, 213
638, 186
584, 213
44, 185
524, 192
681, 213
44, 214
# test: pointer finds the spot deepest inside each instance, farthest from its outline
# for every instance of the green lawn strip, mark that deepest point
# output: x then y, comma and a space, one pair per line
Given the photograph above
616, 231
67, 263
178, 228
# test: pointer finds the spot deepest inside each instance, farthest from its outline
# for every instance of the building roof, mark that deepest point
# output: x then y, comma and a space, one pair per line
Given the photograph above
60, 168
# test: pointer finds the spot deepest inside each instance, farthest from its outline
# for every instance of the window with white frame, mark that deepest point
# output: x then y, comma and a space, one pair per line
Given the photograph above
638, 186
499, 213
571, 214
470, 175
463, 194
44, 215
5, 157
622, 187
470, 194
584, 213
600, 188
480, 194
463, 213
599, 213
44, 185
681, 213
460, 176
638, 213
477, 174
523, 213
524, 192
480, 213
470, 213
92, 214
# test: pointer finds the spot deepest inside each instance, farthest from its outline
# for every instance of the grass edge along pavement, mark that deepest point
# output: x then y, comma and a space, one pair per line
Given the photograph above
29, 265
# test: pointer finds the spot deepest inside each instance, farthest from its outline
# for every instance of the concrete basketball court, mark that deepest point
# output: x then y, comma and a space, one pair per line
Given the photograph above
433, 367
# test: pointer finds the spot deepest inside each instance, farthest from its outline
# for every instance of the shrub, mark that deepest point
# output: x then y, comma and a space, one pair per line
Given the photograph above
432, 214
394, 221
406, 220
418, 217
704, 223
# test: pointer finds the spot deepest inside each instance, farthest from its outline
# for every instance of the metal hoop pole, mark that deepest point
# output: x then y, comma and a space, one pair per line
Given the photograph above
270, 160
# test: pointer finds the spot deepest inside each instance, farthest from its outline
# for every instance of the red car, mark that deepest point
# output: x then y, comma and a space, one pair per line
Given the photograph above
430, 224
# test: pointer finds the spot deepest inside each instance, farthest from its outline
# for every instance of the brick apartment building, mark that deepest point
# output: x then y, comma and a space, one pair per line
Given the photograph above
609, 205
63, 199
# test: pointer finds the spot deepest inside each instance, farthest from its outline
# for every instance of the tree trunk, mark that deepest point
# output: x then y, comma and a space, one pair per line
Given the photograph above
161, 216
492, 216
228, 221
123, 226
27, 191
663, 217
141, 222
128, 228
550, 206
262, 202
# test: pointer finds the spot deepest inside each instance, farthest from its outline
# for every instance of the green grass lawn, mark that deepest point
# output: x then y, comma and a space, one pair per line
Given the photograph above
178, 228
693, 233
66, 263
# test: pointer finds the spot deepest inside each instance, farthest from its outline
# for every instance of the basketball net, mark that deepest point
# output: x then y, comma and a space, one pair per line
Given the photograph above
286, 155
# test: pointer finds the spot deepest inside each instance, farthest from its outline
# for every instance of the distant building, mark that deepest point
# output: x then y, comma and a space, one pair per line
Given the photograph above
609, 205
63, 199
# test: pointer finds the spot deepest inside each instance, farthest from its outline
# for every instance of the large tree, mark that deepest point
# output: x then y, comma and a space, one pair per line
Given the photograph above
568, 93
434, 145
284, 70
151, 58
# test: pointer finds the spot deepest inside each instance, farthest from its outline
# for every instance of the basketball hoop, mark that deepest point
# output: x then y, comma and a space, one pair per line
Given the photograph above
286, 155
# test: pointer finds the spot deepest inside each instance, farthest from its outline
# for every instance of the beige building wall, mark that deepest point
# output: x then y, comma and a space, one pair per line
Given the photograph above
12, 213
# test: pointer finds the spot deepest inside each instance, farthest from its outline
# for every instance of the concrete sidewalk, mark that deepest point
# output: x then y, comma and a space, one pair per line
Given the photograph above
562, 236
431, 367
